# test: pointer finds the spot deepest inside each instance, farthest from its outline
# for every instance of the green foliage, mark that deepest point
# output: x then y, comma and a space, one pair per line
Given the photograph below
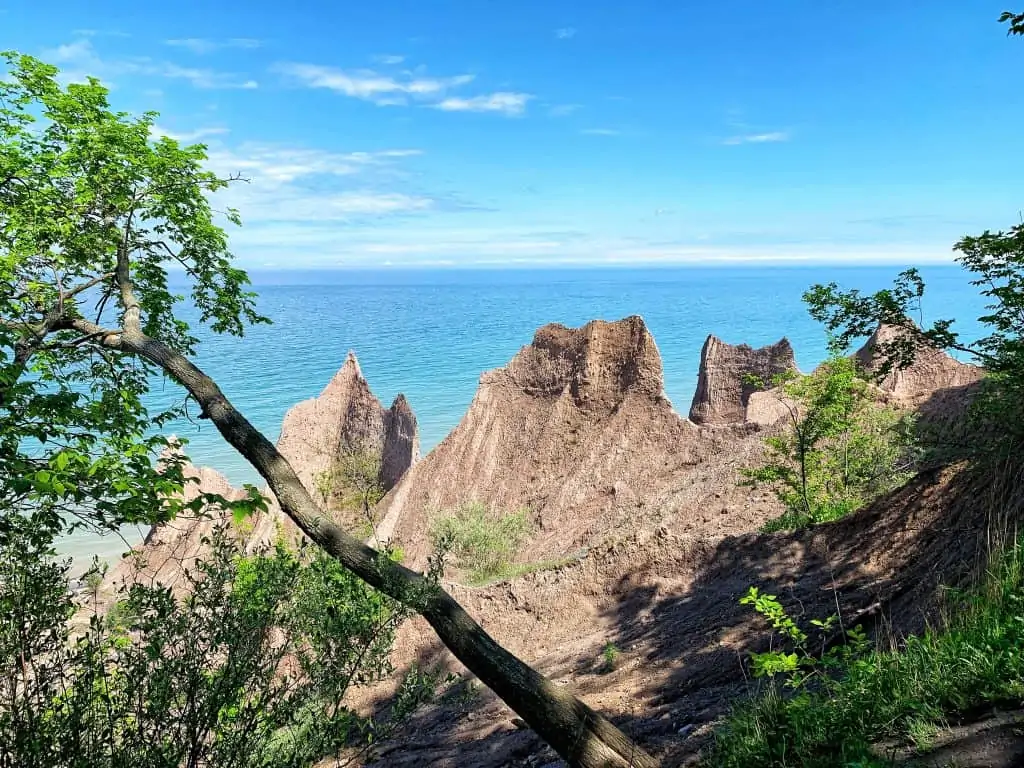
610, 655
482, 541
93, 211
353, 485
996, 260
854, 699
839, 450
1015, 22
797, 661
249, 667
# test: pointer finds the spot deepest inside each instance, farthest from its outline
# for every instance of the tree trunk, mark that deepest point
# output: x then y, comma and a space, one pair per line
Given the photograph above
579, 734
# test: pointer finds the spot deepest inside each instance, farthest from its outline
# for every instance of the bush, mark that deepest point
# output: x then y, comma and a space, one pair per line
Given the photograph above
482, 541
830, 714
840, 449
248, 668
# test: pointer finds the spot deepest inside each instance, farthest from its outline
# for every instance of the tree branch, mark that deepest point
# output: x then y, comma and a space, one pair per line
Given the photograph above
89, 284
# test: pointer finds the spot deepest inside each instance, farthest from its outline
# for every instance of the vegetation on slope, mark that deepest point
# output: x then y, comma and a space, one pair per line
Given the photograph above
834, 711
482, 541
351, 487
247, 664
835, 706
840, 447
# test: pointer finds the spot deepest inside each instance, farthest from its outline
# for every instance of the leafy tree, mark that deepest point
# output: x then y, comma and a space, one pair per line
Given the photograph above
93, 215
248, 668
997, 262
1015, 22
840, 449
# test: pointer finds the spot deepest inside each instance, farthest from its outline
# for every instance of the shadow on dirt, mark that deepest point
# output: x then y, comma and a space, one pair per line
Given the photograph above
685, 648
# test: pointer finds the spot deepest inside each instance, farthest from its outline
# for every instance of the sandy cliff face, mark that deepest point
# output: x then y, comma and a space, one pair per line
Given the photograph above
671, 543
932, 370
722, 389
401, 442
577, 430
347, 416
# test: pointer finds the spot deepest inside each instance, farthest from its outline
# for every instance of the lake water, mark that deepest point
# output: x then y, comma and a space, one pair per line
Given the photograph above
430, 334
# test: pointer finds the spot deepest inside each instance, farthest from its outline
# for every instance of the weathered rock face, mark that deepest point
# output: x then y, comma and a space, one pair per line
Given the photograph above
932, 370
722, 393
597, 365
577, 430
401, 444
344, 417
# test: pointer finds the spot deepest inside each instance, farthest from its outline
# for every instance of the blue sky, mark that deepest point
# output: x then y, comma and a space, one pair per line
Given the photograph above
572, 132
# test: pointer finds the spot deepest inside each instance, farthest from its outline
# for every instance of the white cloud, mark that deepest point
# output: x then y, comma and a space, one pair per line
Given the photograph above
600, 132
389, 59
187, 136
757, 138
79, 60
504, 102
99, 33
271, 165
204, 78
312, 194
368, 85
202, 45
562, 110
565, 33
371, 203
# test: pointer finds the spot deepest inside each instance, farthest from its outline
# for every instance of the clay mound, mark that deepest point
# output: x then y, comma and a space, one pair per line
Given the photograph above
932, 370
577, 430
722, 389
347, 416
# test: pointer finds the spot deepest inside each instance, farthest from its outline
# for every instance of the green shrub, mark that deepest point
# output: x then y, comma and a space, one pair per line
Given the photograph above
829, 713
352, 482
839, 450
482, 541
248, 668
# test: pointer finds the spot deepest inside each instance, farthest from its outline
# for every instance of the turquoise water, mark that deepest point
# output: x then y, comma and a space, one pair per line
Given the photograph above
430, 334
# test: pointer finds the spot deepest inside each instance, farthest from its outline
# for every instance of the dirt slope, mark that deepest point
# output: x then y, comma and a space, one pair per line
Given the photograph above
577, 425
669, 602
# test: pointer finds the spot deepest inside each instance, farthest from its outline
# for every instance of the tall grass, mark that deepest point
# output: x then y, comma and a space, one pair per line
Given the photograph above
974, 659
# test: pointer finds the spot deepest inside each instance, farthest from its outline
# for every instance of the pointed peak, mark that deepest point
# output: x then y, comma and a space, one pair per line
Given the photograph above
351, 365
400, 403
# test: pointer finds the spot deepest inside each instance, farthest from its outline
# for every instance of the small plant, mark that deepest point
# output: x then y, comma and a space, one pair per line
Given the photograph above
352, 482
482, 541
799, 664
610, 655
